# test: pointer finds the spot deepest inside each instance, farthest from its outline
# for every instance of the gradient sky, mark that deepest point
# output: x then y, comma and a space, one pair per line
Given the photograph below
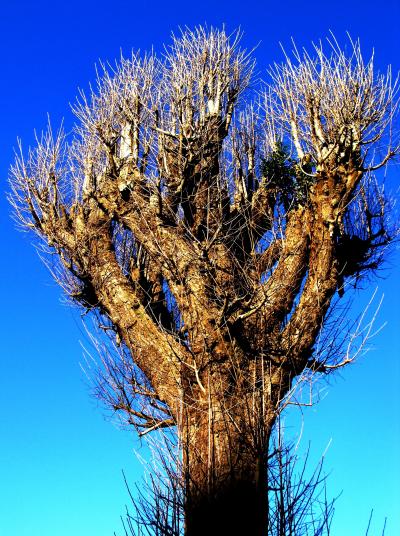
60, 459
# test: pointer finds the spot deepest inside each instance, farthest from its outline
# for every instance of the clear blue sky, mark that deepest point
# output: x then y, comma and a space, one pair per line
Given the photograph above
60, 460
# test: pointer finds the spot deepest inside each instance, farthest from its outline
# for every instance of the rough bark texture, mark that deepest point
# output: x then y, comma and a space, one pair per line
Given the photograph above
227, 480
209, 252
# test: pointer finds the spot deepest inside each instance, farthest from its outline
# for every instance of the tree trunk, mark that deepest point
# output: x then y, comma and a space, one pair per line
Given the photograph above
225, 462
237, 507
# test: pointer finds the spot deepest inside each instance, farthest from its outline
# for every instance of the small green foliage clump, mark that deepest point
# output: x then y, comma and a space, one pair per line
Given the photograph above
290, 178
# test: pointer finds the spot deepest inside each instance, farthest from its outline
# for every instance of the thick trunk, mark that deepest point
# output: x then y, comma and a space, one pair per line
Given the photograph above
226, 473
236, 506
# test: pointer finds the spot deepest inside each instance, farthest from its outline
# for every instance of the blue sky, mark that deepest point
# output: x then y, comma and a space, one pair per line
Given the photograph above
60, 459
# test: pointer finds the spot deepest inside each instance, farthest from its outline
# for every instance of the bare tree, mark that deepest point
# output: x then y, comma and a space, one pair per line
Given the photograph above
209, 232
